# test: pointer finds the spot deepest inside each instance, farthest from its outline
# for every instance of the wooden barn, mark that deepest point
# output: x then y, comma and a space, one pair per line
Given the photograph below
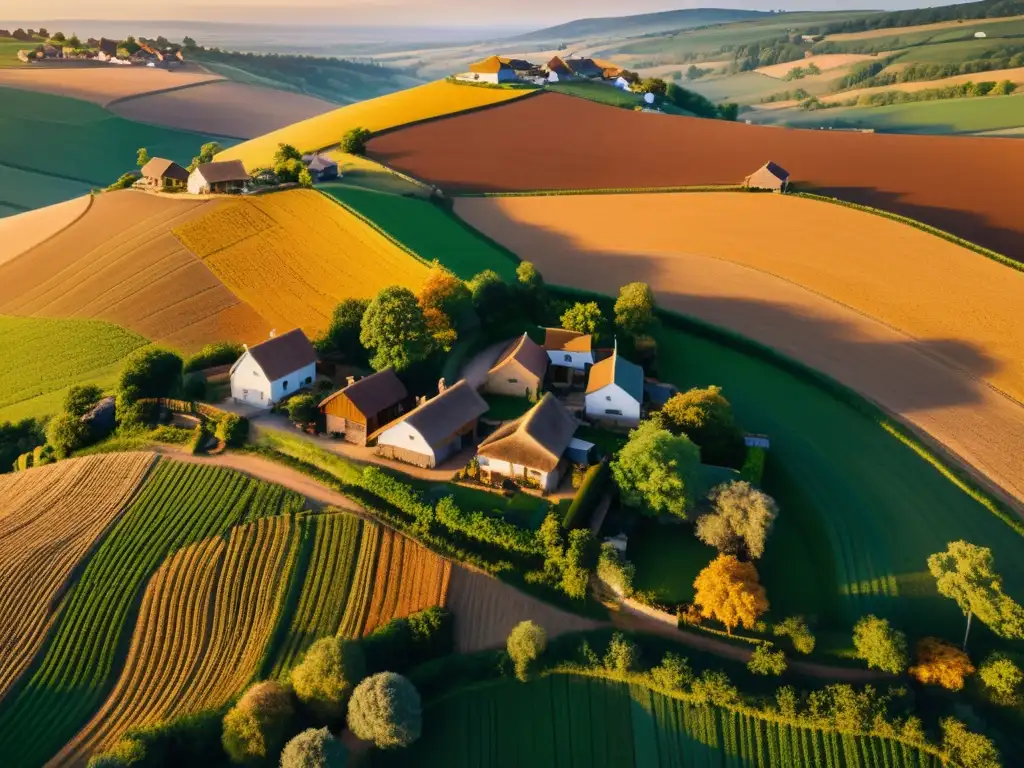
366, 405
768, 176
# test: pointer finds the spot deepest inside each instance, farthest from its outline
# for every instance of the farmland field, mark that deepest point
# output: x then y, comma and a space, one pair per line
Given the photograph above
905, 179
28, 190
599, 92
43, 357
99, 85
427, 231
120, 263
26, 230
179, 505
565, 720
420, 103
204, 622
1013, 75
9, 53
294, 255
50, 518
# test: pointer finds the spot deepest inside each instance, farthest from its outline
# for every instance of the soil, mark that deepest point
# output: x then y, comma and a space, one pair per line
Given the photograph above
553, 141
27, 230
101, 85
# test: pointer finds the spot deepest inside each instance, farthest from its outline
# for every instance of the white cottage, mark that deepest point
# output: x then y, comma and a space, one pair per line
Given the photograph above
569, 349
227, 177
492, 70
267, 372
615, 392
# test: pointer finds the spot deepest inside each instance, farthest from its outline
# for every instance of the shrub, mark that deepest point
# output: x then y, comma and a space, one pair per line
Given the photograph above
940, 663
124, 181
212, 355
492, 530
881, 646
81, 398
329, 671
589, 495
149, 372
314, 748
385, 708
526, 642
706, 417
254, 728
615, 570
714, 688
233, 430
403, 644
200, 437
1002, 679
673, 674
578, 563
753, 466
741, 519
796, 629
188, 740
622, 655
126, 752
765, 661
354, 141
67, 433
302, 409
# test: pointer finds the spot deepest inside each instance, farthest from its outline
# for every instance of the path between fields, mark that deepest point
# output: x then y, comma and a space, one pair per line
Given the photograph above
629, 617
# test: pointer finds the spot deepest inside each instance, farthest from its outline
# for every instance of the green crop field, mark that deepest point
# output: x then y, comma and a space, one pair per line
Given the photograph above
599, 92
179, 504
25, 190
564, 721
74, 140
9, 52
427, 230
43, 357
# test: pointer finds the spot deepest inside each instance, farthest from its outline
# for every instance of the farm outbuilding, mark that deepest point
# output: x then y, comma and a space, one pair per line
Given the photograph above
320, 167
162, 173
267, 372
225, 177
492, 70
768, 176
366, 405
558, 70
519, 370
434, 430
615, 392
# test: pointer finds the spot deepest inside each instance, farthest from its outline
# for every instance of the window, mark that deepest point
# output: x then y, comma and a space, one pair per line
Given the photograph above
309, 380
611, 412
513, 381
255, 373
608, 398
411, 437
568, 358
285, 385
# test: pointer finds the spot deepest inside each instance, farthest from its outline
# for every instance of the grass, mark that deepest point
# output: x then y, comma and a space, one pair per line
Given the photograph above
505, 408
428, 230
523, 509
602, 93
668, 558
607, 442
9, 52
43, 357
27, 190
408, 106
362, 172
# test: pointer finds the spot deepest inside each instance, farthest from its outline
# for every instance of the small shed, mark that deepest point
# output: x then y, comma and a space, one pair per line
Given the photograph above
321, 167
519, 370
579, 451
757, 441
225, 177
162, 173
769, 176
366, 405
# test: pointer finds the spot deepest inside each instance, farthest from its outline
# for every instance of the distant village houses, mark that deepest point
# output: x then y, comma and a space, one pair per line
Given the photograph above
498, 70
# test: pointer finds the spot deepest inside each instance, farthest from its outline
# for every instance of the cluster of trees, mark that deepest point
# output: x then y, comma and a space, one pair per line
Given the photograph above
959, 91
911, 18
289, 168
799, 73
764, 53
688, 100
17, 438
569, 557
696, 73
872, 75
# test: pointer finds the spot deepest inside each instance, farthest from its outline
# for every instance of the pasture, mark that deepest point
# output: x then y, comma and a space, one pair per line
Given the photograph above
121, 263
420, 103
9, 53
565, 720
179, 505
294, 255
43, 357
599, 92
904, 178
50, 519
427, 230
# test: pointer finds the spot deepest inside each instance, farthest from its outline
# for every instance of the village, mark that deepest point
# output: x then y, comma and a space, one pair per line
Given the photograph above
61, 50
498, 70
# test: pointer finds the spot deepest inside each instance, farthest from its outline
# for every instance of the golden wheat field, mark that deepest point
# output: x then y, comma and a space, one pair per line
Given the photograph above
120, 262
927, 329
26, 230
50, 519
823, 61
205, 620
294, 255
420, 103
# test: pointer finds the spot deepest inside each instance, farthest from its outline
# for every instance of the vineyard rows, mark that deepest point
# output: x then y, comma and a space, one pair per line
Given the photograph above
565, 721
179, 505
49, 520
205, 620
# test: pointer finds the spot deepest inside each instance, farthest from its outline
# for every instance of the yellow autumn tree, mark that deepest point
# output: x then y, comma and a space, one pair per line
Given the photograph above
941, 663
729, 591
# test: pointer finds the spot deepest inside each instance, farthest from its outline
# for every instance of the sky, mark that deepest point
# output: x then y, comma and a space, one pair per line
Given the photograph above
438, 13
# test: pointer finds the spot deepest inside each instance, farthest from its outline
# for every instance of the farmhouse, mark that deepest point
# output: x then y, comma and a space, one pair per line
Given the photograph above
558, 70
615, 392
768, 176
434, 430
366, 405
492, 70
277, 367
520, 369
587, 68
522, 67
164, 174
225, 177
530, 449
568, 349
320, 167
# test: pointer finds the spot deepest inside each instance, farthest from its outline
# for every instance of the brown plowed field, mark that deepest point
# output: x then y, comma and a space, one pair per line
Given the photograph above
968, 186
486, 610
27, 230
100, 85
120, 262
715, 259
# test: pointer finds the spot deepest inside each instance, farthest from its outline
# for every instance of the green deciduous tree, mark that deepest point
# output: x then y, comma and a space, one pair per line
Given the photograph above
67, 433
354, 141
302, 409
142, 157
532, 291
342, 334
740, 520
492, 299
286, 152
81, 398
579, 562
634, 309
385, 708
967, 749
966, 573
796, 629
706, 417
526, 642
255, 727
766, 660
655, 471
149, 372
584, 317
329, 671
622, 655
314, 748
395, 329
1002, 678
880, 645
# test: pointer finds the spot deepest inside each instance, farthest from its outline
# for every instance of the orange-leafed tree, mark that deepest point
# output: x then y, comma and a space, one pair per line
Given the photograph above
444, 291
729, 591
941, 663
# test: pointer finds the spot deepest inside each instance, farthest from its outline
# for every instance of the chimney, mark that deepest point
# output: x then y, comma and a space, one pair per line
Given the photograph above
441, 386
350, 380
273, 332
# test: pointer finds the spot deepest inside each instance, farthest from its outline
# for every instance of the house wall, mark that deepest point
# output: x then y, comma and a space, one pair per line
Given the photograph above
294, 381
197, 184
764, 179
405, 443
249, 384
613, 398
576, 360
512, 379
547, 481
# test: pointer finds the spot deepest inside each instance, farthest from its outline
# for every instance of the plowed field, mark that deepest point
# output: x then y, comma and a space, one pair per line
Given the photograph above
100, 85
967, 186
119, 262
409, 578
26, 230
50, 518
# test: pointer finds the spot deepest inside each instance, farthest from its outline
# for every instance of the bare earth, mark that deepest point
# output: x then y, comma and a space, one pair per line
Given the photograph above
876, 314
101, 85
27, 230
223, 109
824, 62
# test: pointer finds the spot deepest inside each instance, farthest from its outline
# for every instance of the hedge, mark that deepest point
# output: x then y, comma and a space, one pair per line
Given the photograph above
589, 495
753, 466
404, 643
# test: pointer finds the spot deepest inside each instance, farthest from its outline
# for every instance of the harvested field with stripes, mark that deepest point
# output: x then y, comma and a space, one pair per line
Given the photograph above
179, 505
50, 519
294, 255
903, 177
100, 85
205, 620
27, 230
119, 262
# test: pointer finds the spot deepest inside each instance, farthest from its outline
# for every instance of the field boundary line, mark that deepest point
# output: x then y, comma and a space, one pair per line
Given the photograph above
614, 191
38, 172
160, 91
377, 228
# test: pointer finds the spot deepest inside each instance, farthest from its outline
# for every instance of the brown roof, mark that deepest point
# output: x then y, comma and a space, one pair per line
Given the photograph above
527, 353
559, 339
225, 170
318, 162
373, 394
283, 354
444, 415
616, 370
537, 439
557, 65
777, 171
517, 64
162, 168
489, 66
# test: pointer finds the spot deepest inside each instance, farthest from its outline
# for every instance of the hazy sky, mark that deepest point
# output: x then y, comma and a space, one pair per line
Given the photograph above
400, 12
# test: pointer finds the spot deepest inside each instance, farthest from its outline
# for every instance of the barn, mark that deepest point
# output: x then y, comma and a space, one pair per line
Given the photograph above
321, 167
161, 173
366, 405
769, 176
269, 371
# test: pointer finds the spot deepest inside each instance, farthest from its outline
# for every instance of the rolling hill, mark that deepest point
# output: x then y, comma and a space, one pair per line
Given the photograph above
640, 24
